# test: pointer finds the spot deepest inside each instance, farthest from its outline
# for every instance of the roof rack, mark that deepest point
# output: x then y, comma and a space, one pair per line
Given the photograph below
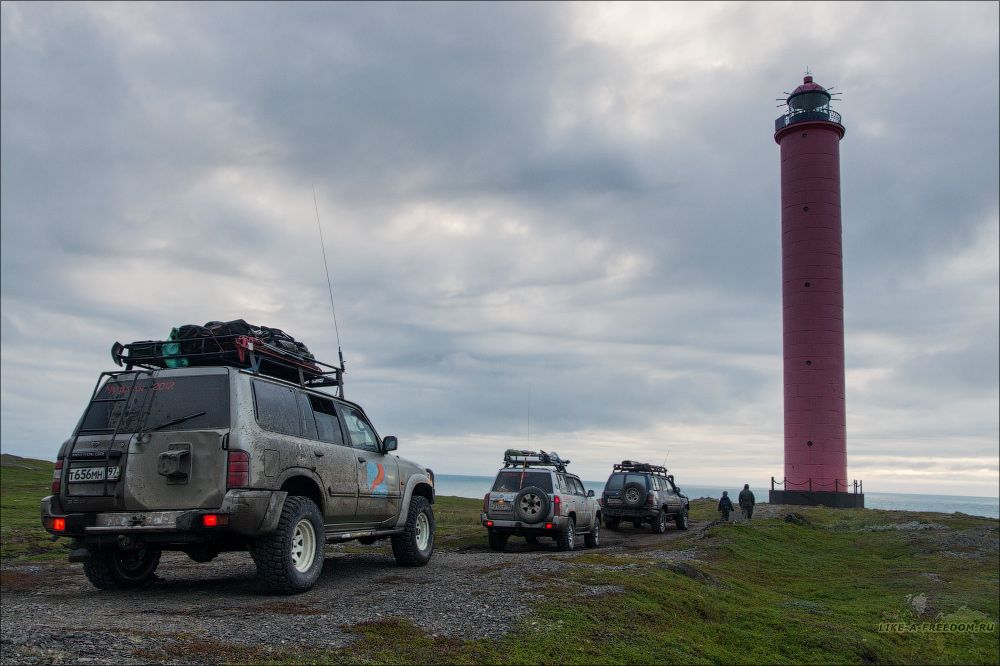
520, 458
238, 351
633, 466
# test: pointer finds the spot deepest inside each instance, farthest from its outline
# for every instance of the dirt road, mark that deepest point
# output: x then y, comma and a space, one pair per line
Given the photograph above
51, 613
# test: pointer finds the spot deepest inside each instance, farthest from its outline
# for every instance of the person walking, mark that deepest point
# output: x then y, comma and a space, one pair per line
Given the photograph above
725, 505
747, 501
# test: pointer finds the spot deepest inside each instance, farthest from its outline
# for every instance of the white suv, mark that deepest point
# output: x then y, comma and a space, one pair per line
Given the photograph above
534, 496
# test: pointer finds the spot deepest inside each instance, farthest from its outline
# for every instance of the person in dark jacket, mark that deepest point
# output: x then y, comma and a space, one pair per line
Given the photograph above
747, 501
725, 505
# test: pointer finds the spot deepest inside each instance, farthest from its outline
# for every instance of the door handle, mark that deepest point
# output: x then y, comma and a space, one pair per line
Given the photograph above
360, 459
318, 453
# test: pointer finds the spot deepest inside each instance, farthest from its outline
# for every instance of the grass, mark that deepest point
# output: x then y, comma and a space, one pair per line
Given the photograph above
23, 483
768, 592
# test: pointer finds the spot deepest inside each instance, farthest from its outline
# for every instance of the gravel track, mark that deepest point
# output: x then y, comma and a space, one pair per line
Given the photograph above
51, 613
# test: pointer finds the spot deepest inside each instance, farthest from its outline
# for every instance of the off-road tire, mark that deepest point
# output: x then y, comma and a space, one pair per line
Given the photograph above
682, 519
660, 522
498, 540
274, 553
536, 511
113, 569
593, 538
414, 547
566, 539
636, 497
612, 523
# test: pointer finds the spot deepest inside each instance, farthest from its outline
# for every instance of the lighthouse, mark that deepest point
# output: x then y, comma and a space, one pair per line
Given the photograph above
809, 135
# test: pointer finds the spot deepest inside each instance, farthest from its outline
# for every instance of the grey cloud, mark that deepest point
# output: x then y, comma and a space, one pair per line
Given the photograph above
614, 200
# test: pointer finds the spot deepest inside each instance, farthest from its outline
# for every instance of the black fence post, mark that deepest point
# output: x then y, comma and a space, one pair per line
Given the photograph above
772, 484
810, 484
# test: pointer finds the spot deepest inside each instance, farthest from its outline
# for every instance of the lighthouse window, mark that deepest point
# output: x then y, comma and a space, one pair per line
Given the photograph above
809, 362
808, 284
805, 208
804, 135
809, 443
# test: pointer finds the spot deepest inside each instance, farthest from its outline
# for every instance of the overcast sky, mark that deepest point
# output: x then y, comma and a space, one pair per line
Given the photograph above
567, 211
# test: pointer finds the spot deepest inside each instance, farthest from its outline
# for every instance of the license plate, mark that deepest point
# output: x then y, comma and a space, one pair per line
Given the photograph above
91, 474
499, 505
614, 500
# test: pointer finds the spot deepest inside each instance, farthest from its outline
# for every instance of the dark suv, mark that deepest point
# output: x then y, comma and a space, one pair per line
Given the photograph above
643, 493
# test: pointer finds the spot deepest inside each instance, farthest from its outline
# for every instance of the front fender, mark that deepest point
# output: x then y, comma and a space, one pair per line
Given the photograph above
411, 483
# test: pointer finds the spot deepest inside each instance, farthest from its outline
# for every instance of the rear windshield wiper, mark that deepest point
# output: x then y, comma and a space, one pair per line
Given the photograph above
178, 420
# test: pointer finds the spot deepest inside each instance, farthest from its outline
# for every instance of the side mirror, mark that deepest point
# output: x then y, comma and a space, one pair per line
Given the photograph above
590, 493
389, 443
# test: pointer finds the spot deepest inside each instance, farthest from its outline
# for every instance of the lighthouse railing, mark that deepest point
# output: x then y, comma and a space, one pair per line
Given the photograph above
793, 117
815, 485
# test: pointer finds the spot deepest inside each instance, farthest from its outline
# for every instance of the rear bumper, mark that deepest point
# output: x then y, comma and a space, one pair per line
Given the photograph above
243, 512
627, 513
558, 524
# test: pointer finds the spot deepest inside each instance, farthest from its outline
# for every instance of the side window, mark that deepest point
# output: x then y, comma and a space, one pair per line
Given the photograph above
561, 484
327, 423
579, 487
658, 483
306, 414
362, 434
277, 408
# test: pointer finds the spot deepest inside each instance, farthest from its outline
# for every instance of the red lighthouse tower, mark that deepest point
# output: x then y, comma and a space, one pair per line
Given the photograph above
809, 134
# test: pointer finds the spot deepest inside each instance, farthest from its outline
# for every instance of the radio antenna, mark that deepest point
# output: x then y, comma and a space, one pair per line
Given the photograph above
329, 286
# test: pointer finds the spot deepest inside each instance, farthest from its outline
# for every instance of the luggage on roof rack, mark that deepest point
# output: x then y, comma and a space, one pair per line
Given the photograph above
521, 458
263, 350
633, 466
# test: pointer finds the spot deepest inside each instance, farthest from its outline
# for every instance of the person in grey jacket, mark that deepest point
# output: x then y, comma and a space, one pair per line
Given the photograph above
725, 505
747, 501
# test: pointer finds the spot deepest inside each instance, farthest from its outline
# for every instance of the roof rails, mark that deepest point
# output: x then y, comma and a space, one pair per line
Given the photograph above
519, 458
633, 466
238, 351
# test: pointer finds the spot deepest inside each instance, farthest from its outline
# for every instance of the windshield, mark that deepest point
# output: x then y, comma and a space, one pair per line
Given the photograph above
618, 480
514, 480
177, 403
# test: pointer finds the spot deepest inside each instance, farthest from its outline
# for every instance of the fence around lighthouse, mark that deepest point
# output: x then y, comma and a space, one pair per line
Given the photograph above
820, 486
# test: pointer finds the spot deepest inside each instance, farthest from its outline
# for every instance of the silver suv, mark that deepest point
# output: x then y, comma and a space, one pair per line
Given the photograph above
643, 493
206, 459
534, 496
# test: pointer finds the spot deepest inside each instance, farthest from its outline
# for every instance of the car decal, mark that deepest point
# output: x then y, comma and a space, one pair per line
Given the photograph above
376, 479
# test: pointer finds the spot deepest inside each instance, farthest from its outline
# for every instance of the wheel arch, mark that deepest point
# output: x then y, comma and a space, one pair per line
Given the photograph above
417, 484
304, 484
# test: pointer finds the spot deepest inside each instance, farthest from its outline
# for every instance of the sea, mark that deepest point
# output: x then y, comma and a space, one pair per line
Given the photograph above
477, 486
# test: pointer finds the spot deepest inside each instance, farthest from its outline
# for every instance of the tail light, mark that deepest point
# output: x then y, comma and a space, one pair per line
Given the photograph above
556, 505
486, 503
650, 500
57, 477
59, 524
238, 470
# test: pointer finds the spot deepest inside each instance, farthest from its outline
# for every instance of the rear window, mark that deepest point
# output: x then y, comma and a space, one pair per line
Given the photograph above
512, 481
618, 480
175, 403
